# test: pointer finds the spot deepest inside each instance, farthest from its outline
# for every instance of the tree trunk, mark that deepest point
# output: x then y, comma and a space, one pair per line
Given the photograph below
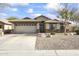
65, 25
65, 29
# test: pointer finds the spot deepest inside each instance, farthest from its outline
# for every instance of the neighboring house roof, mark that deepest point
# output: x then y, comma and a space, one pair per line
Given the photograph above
26, 18
5, 22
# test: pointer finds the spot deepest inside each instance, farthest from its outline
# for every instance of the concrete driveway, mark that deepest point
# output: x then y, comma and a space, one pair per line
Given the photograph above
17, 42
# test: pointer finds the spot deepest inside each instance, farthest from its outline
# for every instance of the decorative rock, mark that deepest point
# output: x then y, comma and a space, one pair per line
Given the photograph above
48, 35
51, 35
43, 35
39, 34
71, 33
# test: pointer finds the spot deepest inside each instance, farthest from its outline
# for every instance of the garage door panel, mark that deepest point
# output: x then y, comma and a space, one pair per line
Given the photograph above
25, 29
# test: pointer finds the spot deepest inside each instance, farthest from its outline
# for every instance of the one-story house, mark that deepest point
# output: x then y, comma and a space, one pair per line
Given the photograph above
40, 24
6, 26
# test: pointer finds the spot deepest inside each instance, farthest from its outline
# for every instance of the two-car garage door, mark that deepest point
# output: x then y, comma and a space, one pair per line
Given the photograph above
25, 29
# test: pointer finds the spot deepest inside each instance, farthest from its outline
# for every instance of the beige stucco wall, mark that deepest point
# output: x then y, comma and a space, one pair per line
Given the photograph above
37, 25
70, 27
8, 27
57, 26
47, 25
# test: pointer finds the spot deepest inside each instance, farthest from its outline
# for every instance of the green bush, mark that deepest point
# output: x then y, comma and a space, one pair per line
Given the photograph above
53, 33
77, 31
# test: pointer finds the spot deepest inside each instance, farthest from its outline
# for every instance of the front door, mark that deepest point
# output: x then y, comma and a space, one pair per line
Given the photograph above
42, 27
62, 28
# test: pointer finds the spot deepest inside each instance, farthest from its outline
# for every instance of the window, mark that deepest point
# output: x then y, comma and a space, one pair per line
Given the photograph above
51, 27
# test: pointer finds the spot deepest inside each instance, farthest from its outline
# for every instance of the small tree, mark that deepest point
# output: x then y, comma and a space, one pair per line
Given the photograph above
12, 18
67, 14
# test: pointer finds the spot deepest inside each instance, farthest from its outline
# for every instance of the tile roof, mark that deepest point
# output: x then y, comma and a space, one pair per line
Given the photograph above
42, 16
5, 21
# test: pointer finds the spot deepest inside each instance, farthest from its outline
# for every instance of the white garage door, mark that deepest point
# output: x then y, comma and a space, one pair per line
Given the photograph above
25, 29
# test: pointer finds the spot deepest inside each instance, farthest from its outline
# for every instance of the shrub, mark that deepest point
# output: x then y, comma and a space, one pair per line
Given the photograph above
77, 31
53, 32
7, 31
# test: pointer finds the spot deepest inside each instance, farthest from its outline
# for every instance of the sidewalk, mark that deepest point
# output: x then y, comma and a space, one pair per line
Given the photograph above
40, 53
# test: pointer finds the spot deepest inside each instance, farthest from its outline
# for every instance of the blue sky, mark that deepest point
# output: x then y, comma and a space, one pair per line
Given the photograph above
32, 10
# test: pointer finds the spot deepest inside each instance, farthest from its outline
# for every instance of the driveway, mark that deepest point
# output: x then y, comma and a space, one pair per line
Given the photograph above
17, 42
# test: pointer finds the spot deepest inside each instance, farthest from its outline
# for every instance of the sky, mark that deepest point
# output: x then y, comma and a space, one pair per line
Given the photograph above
32, 10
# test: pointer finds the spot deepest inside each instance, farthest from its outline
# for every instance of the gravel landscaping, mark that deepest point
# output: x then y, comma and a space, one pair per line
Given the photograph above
57, 42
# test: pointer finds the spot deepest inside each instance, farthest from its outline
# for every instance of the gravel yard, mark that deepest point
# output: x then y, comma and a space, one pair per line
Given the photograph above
57, 42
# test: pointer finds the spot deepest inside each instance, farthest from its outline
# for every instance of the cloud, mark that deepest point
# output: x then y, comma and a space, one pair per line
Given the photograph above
23, 4
36, 15
52, 16
14, 9
11, 9
18, 4
30, 11
54, 6
3, 14
51, 6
